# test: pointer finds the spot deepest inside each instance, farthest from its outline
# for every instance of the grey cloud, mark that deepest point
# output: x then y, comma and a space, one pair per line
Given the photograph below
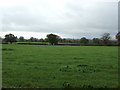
72, 19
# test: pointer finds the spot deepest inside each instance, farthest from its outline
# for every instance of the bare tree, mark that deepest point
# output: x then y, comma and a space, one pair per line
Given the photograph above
106, 38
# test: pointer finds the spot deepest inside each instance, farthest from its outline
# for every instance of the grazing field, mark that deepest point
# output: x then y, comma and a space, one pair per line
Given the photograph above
59, 66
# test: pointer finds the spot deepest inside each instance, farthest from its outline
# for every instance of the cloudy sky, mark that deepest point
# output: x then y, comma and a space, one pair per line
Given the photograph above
66, 18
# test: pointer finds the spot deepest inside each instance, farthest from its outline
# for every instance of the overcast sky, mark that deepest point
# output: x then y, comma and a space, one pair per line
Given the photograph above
67, 18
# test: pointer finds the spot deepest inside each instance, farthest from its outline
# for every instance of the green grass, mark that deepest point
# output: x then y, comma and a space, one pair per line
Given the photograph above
59, 66
46, 42
34, 42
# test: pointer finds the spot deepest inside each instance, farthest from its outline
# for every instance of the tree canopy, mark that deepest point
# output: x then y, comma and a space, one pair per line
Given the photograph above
118, 37
10, 38
84, 40
21, 39
96, 40
53, 39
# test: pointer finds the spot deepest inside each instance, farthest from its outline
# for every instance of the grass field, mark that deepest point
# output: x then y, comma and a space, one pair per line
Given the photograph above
59, 66
48, 42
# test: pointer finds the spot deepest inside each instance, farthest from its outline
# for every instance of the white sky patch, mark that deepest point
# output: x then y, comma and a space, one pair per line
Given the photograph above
27, 35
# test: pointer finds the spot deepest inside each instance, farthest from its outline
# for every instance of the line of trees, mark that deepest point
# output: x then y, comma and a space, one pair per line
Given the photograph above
55, 39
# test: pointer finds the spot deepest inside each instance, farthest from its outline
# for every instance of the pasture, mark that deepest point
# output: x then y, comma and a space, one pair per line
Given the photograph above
36, 66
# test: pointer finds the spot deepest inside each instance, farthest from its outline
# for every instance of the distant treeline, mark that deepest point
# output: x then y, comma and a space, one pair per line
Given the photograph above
53, 39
